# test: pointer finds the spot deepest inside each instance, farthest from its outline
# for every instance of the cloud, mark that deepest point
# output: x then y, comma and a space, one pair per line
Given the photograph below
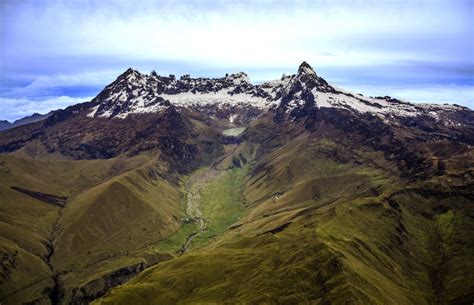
243, 33
13, 109
47, 85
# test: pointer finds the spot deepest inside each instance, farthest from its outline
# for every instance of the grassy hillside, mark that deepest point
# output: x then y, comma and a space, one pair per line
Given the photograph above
321, 228
111, 210
280, 215
122, 196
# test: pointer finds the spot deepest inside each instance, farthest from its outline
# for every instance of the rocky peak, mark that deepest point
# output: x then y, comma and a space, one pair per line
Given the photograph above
238, 78
305, 69
309, 79
297, 95
300, 88
129, 74
128, 80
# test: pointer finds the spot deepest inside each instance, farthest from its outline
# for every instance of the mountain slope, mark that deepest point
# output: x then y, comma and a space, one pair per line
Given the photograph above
235, 99
35, 117
326, 197
125, 187
321, 230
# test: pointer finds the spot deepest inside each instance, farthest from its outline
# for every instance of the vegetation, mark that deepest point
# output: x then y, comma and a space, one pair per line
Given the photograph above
107, 201
289, 216
221, 202
321, 231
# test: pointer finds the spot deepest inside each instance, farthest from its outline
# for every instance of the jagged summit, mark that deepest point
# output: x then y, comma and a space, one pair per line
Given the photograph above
305, 68
238, 78
135, 93
129, 72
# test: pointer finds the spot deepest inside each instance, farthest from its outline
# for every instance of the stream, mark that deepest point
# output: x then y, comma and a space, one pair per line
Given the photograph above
195, 183
193, 208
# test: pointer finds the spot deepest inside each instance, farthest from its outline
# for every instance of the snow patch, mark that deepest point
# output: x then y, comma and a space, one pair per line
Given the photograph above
137, 93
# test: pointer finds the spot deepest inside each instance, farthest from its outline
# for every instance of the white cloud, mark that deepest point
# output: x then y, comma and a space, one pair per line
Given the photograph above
240, 33
13, 109
45, 82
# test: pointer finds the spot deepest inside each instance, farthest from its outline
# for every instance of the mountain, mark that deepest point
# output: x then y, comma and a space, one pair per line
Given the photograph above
35, 117
134, 93
4, 125
197, 190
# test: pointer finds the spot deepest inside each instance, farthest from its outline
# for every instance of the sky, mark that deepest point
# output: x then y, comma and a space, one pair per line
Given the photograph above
56, 53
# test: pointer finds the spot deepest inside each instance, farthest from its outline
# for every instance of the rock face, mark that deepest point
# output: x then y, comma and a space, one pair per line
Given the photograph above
99, 287
233, 95
140, 112
135, 93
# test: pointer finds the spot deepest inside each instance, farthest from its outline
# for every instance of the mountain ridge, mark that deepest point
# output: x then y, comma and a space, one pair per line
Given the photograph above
35, 117
134, 93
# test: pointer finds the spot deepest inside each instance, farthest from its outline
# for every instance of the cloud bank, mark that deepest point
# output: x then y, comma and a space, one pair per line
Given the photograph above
13, 109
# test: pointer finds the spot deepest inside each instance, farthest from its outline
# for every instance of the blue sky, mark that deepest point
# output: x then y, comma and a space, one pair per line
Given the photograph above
57, 53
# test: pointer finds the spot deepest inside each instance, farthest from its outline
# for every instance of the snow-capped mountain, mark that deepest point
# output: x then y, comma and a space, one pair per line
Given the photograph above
309, 153
135, 93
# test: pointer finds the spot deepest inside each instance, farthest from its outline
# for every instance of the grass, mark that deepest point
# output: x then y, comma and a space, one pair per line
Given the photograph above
262, 269
115, 210
221, 203
174, 242
320, 222
350, 240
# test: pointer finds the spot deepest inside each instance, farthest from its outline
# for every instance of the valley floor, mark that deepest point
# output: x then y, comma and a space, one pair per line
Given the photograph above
213, 201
